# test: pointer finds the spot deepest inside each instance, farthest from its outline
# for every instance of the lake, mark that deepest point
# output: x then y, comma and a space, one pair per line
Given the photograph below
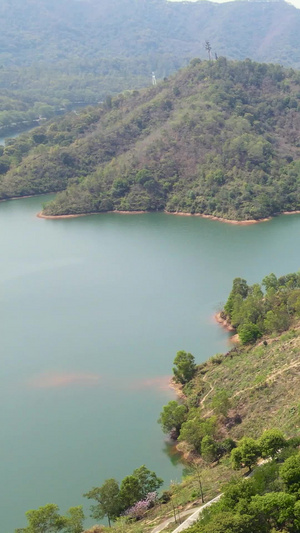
14, 133
93, 311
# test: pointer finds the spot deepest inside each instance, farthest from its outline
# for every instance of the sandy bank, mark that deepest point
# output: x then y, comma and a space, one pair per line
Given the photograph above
177, 387
56, 217
220, 219
226, 325
178, 213
210, 217
223, 322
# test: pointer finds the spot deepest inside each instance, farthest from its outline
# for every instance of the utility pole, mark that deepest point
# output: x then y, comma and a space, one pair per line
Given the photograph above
208, 49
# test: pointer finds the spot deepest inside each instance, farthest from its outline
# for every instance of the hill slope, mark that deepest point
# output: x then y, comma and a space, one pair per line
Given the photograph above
219, 138
57, 53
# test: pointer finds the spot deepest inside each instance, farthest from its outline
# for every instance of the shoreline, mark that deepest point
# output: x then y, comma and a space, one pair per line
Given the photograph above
224, 220
177, 388
27, 196
249, 222
228, 327
178, 213
53, 217
223, 322
290, 213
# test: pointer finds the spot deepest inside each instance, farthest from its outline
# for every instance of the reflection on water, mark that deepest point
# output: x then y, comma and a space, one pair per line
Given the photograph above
171, 451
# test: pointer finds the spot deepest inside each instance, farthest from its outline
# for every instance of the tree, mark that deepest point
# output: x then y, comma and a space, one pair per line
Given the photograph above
226, 523
290, 473
237, 490
45, 519
74, 522
209, 449
197, 470
108, 500
270, 282
172, 417
148, 481
239, 288
185, 368
249, 332
277, 320
129, 492
271, 442
245, 454
273, 509
195, 429
137, 486
227, 445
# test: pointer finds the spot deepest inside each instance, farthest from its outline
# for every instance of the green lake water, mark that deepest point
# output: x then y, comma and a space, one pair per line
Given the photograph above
93, 311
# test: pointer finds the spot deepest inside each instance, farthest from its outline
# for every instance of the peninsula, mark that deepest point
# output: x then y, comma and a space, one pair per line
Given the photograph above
217, 139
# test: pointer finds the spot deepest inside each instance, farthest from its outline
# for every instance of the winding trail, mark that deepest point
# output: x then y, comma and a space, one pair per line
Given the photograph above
212, 388
270, 378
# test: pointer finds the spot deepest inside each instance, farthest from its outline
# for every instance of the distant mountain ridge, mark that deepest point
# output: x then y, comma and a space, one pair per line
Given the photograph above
38, 30
57, 54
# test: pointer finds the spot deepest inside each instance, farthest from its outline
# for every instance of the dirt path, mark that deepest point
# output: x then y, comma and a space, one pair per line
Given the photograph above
208, 393
271, 378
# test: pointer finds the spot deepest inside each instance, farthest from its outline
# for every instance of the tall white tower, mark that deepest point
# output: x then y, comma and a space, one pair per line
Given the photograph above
153, 79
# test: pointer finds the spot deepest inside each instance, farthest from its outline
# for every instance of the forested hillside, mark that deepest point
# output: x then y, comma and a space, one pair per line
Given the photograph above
57, 54
218, 138
232, 404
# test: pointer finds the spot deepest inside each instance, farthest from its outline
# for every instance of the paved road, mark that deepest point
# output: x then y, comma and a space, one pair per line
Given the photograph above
169, 521
194, 517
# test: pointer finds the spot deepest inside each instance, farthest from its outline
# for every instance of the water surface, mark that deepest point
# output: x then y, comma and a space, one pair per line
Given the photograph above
93, 311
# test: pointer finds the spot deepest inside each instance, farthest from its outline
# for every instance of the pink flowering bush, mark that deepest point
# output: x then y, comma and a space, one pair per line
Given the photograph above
139, 509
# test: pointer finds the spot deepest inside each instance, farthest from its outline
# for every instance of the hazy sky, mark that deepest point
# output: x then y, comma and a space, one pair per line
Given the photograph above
295, 3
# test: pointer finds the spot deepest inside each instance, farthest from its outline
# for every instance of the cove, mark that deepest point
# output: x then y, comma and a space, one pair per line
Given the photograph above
93, 311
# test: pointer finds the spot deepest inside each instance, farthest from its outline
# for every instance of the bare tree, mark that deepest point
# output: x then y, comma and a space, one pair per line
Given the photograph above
197, 470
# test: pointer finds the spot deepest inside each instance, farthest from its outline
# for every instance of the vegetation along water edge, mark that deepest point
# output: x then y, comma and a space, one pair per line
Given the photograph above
233, 412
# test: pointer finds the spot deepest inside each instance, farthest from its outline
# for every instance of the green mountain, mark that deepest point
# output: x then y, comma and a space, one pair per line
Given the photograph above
218, 138
57, 54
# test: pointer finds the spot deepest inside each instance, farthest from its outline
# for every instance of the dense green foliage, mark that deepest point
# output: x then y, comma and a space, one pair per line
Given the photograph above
266, 503
255, 312
184, 367
172, 417
56, 54
219, 138
108, 500
113, 500
48, 520
245, 454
